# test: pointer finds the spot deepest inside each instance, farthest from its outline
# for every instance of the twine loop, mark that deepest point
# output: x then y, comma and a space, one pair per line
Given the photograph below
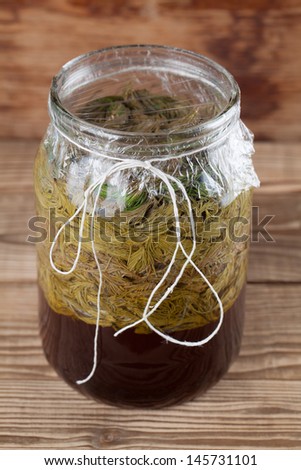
148, 310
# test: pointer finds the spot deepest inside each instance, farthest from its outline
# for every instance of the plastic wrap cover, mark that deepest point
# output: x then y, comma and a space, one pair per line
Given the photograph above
222, 171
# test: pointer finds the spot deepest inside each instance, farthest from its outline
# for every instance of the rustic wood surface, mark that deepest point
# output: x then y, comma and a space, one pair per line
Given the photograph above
257, 40
258, 403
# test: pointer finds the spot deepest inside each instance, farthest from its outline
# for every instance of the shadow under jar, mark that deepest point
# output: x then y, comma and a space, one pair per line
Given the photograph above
145, 180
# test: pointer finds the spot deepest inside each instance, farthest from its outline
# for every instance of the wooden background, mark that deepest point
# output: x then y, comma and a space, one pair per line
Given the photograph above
258, 404
259, 44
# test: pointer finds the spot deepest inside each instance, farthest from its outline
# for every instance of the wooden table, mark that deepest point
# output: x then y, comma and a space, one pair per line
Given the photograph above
257, 405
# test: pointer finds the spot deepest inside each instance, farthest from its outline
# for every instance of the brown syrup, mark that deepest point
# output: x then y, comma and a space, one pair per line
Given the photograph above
140, 370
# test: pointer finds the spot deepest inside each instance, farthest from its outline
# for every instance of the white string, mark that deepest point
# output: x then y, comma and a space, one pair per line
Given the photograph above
79, 382
120, 166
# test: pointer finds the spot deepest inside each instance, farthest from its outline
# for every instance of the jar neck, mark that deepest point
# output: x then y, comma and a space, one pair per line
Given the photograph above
146, 64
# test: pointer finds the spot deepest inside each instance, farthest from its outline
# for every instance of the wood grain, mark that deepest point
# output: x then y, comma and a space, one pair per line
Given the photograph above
253, 415
113, 7
257, 44
258, 403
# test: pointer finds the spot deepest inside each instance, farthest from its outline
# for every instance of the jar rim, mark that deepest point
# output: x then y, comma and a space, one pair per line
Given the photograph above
66, 121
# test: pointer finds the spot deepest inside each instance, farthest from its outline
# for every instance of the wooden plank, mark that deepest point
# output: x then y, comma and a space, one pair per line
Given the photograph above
141, 7
257, 46
277, 258
277, 163
38, 410
272, 338
275, 263
16, 165
18, 262
256, 415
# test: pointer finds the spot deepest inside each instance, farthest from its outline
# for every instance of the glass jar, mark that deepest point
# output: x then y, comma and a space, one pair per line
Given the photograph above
144, 179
